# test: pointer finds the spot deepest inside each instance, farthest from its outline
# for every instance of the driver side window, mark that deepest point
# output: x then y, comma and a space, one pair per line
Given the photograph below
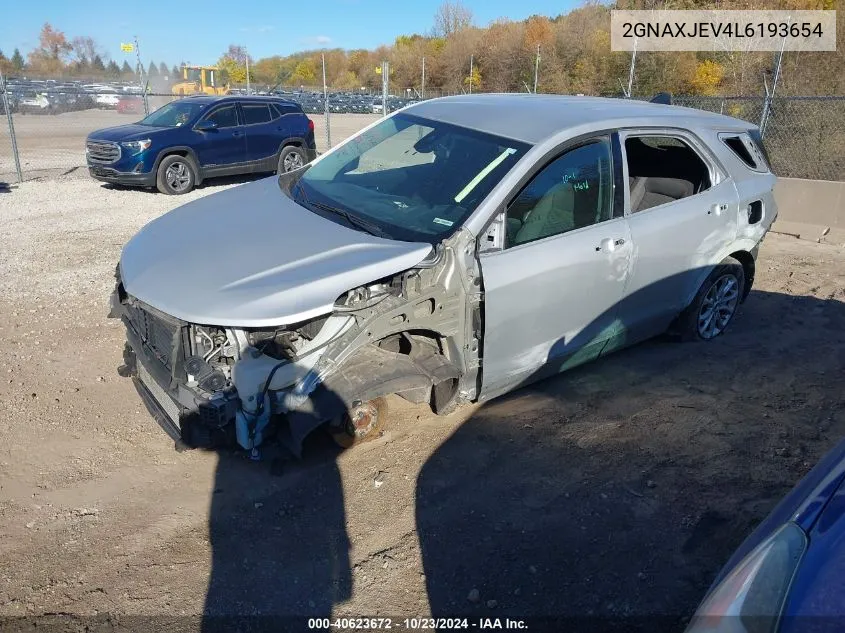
226, 116
573, 191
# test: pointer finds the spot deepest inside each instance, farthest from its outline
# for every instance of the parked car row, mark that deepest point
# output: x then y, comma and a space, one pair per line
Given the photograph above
343, 102
53, 97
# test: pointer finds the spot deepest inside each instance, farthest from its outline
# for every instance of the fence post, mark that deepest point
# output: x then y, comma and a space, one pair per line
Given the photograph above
8, 110
326, 106
385, 86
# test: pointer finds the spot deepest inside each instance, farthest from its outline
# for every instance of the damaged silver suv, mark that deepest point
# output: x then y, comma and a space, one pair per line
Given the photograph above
451, 252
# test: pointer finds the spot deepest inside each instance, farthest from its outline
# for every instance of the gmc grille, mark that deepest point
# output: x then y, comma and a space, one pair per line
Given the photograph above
103, 151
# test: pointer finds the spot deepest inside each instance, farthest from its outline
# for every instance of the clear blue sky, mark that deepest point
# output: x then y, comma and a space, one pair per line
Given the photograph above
199, 32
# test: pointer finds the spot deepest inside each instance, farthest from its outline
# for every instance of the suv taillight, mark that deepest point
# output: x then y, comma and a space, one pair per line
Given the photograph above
310, 125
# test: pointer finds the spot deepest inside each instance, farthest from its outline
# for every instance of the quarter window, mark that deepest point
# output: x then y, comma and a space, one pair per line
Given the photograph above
663, 169
281, 110
256, 113
226, 116
573, 191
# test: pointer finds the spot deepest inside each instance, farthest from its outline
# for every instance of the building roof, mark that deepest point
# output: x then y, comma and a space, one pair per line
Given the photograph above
533, 118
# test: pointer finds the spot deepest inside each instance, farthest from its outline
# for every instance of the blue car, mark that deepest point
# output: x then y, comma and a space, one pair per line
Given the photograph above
789, 575
186, 141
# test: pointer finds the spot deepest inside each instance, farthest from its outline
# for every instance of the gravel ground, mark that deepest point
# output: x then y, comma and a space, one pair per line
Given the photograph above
613, 491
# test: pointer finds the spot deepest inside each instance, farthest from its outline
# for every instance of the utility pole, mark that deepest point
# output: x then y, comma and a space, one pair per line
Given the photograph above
470, 74
422, 85
536, 68
141, 77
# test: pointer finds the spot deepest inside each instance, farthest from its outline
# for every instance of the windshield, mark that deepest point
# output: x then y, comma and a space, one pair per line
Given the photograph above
174, 114
413, 178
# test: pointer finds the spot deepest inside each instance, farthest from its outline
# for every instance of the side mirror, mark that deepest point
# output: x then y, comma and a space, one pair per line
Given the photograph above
205, 126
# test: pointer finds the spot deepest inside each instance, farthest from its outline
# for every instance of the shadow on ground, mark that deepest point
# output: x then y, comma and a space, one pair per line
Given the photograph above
612, 494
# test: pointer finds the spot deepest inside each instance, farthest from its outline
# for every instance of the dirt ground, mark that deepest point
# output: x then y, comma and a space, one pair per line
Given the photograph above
54, 145
612, 493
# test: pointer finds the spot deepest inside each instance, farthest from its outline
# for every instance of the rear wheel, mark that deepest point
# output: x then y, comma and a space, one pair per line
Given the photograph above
361, 423
176, 175
715, 304
291, 158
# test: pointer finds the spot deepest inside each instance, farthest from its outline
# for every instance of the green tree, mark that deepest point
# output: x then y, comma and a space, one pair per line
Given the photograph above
175, 73
113, 70
97, 64
126, 70
152, 71
162, 69
17, 61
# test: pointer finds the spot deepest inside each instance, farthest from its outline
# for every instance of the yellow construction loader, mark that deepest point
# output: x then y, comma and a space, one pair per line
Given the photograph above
200, 80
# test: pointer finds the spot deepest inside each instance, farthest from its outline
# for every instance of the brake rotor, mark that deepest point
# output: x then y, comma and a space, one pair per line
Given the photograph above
362, 422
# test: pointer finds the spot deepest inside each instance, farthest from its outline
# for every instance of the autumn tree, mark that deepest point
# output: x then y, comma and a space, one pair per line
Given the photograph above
304, 74
233, 63
52, 52
5, 64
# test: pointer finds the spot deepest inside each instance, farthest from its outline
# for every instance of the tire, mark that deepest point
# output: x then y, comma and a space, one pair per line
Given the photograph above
291, 158
369, 416
176, 175
720, 296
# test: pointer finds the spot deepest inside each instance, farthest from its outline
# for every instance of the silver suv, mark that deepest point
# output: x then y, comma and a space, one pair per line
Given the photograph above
451, 252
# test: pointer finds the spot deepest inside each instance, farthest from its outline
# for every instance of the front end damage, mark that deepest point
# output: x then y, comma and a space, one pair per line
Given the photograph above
416, 334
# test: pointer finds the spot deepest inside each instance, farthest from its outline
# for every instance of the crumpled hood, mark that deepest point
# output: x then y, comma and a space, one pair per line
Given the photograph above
250, 256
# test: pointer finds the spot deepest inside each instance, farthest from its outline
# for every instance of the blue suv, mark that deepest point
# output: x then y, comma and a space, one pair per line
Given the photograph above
184, 142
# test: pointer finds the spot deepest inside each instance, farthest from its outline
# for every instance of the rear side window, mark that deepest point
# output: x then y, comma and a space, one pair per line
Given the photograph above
662, 170
256, 113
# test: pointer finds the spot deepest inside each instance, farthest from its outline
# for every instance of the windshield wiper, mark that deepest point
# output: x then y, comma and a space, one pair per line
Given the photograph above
354, 220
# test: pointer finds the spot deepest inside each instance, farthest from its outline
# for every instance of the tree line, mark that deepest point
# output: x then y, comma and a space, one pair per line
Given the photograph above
574, 57
570, 52
80, 57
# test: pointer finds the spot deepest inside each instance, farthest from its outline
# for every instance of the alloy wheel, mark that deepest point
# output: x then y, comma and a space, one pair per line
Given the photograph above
718, 306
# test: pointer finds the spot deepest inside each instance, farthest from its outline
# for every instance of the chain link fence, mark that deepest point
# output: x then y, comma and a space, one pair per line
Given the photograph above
805, 136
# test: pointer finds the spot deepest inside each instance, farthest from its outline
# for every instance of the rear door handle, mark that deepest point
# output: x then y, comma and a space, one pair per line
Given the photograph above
236, 133
717, 209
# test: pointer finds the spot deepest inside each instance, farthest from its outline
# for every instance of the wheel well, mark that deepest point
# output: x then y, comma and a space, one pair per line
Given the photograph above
184, 153
748, 265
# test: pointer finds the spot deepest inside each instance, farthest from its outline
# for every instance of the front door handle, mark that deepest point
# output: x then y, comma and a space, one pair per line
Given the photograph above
236, 133
608, 245
717, 209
